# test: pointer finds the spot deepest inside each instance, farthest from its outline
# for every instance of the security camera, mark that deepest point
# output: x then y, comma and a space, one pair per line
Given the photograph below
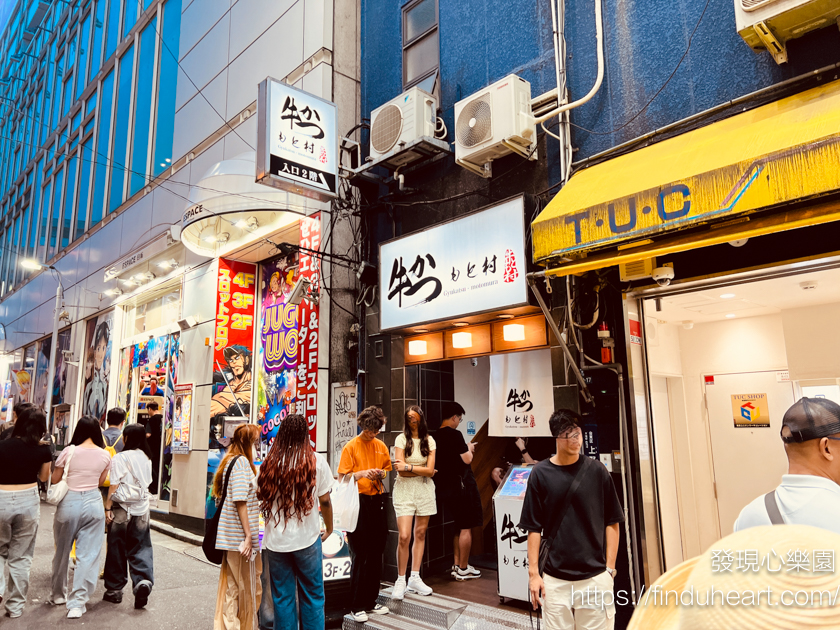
663, 275
299, 291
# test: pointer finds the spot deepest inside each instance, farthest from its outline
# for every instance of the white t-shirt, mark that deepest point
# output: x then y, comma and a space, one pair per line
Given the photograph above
137, 473
802, 500
297, 534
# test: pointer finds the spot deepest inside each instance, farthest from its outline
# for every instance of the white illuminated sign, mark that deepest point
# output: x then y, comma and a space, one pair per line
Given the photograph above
471, 265
297, 141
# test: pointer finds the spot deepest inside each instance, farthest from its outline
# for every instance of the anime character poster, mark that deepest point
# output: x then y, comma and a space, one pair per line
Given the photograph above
60, 377
171, 345
42, 365
278, 348
23, 382
97, 366
182, 419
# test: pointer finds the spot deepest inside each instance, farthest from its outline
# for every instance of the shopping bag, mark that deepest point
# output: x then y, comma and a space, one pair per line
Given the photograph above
345, 501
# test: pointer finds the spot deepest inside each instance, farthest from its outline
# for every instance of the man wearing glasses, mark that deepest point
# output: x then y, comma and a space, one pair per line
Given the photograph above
571, 501
809, 494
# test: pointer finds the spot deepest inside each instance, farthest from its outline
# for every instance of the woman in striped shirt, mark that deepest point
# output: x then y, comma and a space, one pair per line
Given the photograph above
240, 590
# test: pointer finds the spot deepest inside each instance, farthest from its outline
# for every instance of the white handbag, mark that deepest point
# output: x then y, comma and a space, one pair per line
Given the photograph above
58, 491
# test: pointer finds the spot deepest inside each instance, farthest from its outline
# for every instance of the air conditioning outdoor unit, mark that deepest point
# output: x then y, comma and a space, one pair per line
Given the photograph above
770, 24
495, 122
400, 121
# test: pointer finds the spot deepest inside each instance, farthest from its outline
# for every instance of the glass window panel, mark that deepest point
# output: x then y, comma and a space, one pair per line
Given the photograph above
419, 19
45, 220
68, 96
33, 232
101, 157
167, 79
25, 236
75, 141
58, 189
81, 67
113, 31
57, 87
118, 153
15, 255
89, 126
77, 119
143, 107
67, 219
421, 57
428, 84
130, 16
91, 103
84, 188
70, 57
96, 49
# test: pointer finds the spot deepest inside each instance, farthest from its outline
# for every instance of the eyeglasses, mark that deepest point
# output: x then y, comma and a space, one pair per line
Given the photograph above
573, 436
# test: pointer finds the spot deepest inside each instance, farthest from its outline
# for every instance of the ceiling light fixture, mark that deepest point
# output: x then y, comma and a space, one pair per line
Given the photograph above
462, 340
513, 332
460, 324
730, 315
505, 316
727, 296
422, 330
417, 347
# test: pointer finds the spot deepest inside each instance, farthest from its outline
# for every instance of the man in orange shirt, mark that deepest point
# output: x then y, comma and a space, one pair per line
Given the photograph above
367, 459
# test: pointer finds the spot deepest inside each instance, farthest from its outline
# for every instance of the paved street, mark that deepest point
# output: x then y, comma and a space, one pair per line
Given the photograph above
183, 598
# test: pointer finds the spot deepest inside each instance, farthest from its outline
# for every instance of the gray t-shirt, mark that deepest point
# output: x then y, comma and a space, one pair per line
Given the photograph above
112, 438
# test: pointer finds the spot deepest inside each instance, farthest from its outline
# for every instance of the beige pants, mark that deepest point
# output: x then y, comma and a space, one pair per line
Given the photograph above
240, 592
570, 606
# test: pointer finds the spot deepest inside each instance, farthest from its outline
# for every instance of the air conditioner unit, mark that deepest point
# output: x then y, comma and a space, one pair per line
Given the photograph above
495, 122
400, 121
770, 24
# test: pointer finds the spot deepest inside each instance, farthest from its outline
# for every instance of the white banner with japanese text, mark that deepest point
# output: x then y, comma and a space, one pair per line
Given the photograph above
471, 265
521, 395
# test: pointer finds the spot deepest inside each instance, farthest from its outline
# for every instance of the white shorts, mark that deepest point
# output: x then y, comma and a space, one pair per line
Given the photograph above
579, 605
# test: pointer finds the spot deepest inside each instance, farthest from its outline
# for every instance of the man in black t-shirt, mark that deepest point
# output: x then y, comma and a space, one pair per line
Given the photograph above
455, 487
583, 538
154, 434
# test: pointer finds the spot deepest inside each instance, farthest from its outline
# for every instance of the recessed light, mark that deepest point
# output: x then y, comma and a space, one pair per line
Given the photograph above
505, 316
460, 324
422, 330
730, 315
727, 296
513, 332
462, 340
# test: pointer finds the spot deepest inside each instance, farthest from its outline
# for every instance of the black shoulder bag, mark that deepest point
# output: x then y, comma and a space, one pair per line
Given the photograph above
547, 542
211, 525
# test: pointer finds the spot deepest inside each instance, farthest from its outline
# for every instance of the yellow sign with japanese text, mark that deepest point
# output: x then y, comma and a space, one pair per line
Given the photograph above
750, 410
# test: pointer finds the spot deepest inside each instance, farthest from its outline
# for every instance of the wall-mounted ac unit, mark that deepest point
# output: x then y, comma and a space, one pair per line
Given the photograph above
400, 121
770, 24
495, 122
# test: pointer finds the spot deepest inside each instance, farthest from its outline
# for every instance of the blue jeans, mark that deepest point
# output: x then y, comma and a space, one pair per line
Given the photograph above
302, 572
20, 512
266, 612
81, 517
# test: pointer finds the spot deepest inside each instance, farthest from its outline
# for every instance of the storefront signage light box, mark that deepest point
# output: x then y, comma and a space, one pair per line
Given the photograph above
143, 255
297, 141
471, 265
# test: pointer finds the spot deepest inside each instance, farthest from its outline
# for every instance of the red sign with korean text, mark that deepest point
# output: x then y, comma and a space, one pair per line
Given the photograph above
307, 376
235, 296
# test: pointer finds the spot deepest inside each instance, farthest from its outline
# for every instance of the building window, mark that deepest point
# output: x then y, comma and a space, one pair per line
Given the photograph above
421, 47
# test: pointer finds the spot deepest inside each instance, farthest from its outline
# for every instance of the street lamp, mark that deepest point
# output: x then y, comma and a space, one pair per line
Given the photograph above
35, 265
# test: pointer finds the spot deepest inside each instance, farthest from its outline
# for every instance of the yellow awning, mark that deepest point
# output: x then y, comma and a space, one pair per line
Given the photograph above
778, 153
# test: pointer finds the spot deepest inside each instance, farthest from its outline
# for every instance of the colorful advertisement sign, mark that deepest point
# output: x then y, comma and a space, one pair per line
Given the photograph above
307, 372
182, 419
97, 366
750, 411
23, 383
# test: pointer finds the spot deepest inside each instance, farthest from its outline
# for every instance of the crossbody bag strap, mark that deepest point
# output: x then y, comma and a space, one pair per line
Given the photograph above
772, 506
225, 486
567, 501
67, 463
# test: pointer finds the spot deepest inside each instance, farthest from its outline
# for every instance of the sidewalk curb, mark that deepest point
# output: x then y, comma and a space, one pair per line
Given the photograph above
174, 532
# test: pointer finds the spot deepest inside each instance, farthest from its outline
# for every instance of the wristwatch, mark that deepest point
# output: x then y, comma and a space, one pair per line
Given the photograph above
612, 572
524, 451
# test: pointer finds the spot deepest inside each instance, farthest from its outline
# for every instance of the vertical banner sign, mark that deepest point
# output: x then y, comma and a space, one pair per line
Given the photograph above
97, 366
171, 345
307, 373
343, 419
182, 419
521, 394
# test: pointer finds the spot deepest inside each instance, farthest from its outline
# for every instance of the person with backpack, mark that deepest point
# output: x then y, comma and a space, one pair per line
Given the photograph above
238, 534
127, 514
113, 440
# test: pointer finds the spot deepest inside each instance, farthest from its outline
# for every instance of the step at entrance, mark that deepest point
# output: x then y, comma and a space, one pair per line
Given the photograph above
434, 610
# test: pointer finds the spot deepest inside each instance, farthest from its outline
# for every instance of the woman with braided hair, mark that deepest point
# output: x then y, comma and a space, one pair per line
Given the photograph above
291, 477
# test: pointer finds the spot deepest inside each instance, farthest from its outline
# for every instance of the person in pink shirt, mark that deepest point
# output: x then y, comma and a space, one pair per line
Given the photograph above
80, 516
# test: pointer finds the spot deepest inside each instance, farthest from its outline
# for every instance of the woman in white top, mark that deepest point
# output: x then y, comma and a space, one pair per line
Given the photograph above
80, 516
127, 513
291, 477
414, 497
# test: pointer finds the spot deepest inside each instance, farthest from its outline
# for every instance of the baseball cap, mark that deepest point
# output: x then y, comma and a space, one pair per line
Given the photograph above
809, 419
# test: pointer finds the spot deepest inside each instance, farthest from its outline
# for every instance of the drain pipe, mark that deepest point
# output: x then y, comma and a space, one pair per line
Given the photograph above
584, 390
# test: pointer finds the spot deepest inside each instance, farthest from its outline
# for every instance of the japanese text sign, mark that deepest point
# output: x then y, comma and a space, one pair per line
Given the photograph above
298, 142
235, 296
521, 394
470, 265
307, 367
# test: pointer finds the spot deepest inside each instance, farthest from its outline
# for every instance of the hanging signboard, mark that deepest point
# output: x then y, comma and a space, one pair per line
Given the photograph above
750, 411
521, 394
309, 267
297, 141
182, 419
342, 420
471, 265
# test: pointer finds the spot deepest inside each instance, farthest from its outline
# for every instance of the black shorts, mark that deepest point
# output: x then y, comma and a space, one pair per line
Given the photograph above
465, 504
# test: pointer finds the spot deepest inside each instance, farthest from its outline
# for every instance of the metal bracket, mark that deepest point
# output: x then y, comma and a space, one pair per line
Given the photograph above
771, 43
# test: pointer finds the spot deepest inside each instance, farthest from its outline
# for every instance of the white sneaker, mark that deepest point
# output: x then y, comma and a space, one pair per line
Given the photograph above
465, 574
75, 613
379, 609
58, 601
399, 588
360, 616
454, 570
416, 585
473, 571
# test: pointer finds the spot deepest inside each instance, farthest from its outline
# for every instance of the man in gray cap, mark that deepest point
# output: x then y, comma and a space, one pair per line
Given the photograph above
809, 494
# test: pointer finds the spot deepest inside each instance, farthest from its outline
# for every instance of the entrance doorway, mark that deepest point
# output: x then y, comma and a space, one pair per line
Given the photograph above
724, 363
